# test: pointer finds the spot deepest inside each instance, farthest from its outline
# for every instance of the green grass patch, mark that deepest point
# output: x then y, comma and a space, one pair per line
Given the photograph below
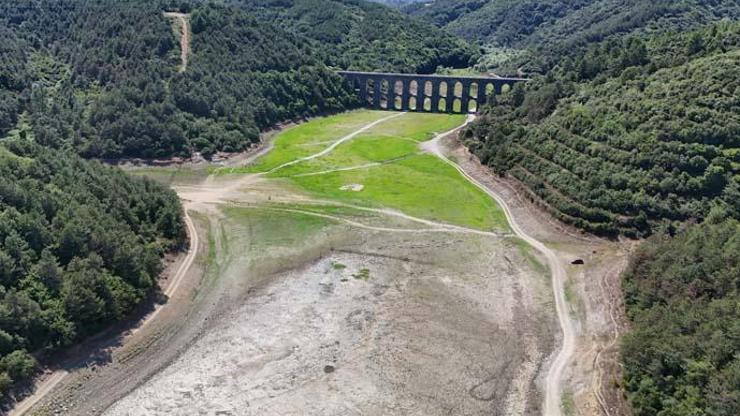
417, 184
338, 266
575, 303
419, 126
169, 175
421, 185
276, 228
309, 138
365, 149
569, 404
362, 274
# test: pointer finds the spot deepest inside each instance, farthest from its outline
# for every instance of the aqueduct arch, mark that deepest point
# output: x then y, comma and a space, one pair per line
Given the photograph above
431, 93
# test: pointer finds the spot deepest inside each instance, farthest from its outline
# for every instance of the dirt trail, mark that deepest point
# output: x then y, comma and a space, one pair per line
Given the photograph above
56, 377
184, 23
553, 383
336, 143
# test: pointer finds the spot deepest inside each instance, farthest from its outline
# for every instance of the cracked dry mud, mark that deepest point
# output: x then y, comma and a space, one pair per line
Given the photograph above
423, 334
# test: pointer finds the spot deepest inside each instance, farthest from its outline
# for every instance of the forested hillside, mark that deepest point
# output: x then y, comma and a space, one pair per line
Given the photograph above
101, 77
360, 35
543, 31
682, 356
396, 3
80, 247
639, 131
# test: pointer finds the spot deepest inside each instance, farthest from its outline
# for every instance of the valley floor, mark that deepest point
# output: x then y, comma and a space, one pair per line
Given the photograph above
351, 271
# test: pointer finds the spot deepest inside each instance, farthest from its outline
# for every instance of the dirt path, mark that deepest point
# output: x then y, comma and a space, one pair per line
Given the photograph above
56, 377
174, 284
183, 20
336, 143
434, 226
553, 383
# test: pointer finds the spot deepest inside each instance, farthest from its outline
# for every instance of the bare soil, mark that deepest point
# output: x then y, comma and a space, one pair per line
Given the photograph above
592, 379
422, 333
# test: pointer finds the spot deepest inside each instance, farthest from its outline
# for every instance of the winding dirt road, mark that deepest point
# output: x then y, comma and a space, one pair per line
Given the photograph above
553, 382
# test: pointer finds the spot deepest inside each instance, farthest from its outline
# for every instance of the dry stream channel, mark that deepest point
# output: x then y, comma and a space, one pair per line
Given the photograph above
350, 270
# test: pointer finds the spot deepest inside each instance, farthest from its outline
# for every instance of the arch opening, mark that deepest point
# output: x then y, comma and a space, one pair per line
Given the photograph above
472, 106
457, 105
397, 103
442, 106
398, 87
473, 91
413, 88
427, 104
490, 92
412, 103
428, 88
458, 91
385, 95
369, 91
443, 89
505, 88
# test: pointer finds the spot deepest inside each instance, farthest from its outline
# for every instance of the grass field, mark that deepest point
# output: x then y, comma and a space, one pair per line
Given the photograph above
311, 137
385, 165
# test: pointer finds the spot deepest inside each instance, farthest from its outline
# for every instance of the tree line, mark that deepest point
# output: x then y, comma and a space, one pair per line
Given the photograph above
80, 247
682, 354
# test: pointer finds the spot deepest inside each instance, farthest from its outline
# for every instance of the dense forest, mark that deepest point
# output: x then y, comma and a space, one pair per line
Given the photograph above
80, 247
533, 36
562, 24
682, 356
359, 35
638, 131
101, 77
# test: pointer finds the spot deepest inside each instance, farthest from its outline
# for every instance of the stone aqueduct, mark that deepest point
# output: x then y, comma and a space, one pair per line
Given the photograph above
429, 93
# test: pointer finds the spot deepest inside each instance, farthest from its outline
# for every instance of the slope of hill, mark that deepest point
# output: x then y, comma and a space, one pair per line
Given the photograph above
521, 23
635, 133
682, 356
101, 77
80, 247
551, 29
359, 35
396, 3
